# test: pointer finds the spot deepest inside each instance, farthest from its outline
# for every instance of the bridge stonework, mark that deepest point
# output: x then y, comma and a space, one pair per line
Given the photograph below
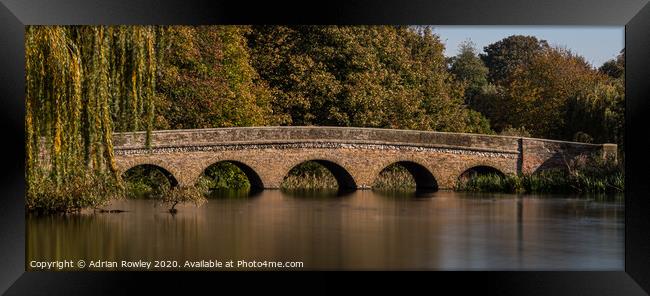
269, 153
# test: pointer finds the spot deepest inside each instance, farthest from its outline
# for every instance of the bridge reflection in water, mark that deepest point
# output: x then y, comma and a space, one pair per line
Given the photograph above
362, 230
355, 156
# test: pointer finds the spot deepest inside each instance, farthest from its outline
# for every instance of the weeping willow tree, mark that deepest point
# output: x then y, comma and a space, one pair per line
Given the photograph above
83, 83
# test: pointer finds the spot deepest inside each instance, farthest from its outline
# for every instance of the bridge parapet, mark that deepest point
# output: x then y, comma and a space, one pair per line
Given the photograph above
540, 154
293, 134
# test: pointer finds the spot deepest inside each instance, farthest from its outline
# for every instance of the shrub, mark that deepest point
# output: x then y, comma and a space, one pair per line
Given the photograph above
183, 194
88, 190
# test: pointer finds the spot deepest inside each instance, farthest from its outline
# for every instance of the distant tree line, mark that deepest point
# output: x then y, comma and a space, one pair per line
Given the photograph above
524, 86
371, 76
383, 76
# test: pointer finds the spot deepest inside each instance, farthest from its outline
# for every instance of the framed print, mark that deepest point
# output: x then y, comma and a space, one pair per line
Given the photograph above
500, 144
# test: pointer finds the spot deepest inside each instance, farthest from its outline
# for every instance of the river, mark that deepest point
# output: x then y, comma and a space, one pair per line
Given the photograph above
362, 230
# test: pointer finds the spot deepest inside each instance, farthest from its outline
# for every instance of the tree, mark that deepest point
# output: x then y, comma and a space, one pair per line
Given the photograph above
370, 76
505, 56
599, 113
468, 68
82, 82
205, 79
182, 195
536, 94
614, 68
494, 103
610, 109
544, 88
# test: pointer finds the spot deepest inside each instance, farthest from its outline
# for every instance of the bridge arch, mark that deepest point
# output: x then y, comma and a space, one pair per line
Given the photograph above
480, 169
253, 177
173, 181
343, 177
423, 177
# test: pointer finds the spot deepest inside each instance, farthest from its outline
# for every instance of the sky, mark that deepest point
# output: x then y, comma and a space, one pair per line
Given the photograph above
597, 44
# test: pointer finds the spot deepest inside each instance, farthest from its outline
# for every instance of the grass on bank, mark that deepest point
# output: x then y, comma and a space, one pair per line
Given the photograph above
582, 176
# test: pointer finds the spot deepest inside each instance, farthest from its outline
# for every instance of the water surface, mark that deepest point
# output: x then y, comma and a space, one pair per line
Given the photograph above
363, 230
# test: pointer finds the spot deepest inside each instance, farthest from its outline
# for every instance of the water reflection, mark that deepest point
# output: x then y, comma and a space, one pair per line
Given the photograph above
406, 194
318, 193
358, 230
233, 193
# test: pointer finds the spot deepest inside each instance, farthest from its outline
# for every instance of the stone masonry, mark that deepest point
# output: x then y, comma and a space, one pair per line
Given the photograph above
355, 156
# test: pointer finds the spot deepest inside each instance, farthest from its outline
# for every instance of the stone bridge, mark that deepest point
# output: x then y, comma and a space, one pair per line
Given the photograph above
355, 156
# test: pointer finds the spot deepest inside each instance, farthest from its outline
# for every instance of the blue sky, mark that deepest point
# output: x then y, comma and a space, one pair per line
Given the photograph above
597, 44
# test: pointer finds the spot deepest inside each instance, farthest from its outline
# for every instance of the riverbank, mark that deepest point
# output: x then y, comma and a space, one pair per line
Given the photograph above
603, 178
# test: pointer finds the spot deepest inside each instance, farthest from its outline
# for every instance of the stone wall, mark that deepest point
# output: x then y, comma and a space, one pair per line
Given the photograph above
540, 154
199, 137
270, 152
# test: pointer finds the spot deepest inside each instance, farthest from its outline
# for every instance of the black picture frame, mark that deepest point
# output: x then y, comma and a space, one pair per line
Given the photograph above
634, 14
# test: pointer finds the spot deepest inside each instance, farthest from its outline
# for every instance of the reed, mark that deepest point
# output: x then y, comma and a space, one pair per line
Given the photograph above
394, 178
310, 176
593, 176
